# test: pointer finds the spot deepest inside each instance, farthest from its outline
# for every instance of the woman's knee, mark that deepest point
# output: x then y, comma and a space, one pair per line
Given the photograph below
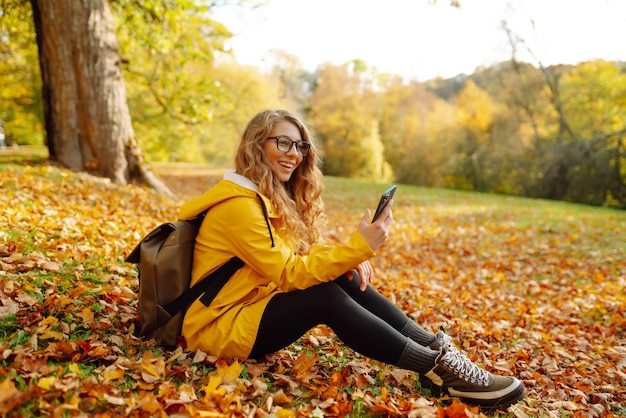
328, 295
332, 297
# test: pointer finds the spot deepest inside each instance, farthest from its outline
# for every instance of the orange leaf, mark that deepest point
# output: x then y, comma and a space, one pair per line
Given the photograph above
10, 396
457, 410
303, 367
281, 398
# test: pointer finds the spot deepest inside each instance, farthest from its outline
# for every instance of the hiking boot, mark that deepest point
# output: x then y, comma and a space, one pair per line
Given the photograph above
459, 377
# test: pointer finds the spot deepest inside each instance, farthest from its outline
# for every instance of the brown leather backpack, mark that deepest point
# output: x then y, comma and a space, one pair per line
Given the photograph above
164, 259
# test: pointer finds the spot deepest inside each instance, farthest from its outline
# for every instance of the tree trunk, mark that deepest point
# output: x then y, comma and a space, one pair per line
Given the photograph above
88, 122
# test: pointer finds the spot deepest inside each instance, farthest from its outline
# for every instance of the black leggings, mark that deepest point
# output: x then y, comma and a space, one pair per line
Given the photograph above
367, 322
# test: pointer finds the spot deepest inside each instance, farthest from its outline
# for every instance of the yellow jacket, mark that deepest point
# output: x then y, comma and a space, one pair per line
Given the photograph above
237, 225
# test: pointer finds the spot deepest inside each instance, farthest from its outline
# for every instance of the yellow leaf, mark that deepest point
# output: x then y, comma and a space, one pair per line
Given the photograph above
49, 334
152, 370
46, 382
230, 373
115, 374
285, 413
87, 315
211, 388
209, 414
74, 368
50, 320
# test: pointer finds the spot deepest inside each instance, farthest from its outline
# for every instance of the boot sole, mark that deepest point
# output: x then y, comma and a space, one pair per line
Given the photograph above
486, 405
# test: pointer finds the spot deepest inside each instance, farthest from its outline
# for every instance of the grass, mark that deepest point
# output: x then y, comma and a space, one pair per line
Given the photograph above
559, 222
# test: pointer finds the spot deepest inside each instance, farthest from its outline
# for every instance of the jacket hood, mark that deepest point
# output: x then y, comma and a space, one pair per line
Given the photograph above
233, 185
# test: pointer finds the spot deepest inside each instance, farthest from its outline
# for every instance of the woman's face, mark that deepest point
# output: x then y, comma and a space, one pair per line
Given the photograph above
283, 164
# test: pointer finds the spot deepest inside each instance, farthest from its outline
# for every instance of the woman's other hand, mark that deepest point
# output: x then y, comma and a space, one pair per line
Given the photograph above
366, 274
375, 234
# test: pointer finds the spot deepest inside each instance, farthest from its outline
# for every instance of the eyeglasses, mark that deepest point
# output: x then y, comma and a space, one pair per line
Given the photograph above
284, 144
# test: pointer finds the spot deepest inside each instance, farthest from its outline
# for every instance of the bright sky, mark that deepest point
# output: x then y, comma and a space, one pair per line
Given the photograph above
418, 40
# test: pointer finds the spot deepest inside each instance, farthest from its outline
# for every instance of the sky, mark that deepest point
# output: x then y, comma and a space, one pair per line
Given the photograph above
421, 41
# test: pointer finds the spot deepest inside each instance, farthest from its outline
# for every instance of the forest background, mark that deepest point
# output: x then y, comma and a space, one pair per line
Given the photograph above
517, 128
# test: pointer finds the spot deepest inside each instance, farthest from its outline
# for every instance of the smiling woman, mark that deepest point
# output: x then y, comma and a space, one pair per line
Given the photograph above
269, 213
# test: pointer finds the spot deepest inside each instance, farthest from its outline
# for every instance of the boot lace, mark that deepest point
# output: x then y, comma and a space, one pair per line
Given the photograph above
459, 364
445, 341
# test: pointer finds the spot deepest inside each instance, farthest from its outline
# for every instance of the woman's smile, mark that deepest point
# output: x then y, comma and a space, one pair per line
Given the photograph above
283, 163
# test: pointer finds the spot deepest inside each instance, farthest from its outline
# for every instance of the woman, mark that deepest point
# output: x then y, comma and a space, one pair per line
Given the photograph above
269, 213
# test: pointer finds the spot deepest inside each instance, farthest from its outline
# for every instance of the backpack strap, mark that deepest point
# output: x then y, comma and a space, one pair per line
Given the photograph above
267, 221
208, 287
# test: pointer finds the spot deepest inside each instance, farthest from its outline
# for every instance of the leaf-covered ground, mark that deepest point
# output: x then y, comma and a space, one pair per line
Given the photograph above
526, 287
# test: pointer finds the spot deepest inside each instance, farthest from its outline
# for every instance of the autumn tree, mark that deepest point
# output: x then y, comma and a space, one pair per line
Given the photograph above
170, 49
246, 92
578, 148
343, 116
520, 89
417, 157
475, 114
594, 104
87, 120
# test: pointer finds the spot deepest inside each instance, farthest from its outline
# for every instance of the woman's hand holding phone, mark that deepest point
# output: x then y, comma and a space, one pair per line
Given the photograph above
385, 198
376, 232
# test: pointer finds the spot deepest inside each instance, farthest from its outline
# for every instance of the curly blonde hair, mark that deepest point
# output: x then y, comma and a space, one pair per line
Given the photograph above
298, 201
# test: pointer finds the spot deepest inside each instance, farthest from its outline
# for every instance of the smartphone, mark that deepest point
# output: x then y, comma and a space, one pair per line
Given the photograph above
384, 200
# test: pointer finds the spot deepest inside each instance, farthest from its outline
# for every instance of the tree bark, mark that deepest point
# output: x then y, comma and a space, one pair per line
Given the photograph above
88, 123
